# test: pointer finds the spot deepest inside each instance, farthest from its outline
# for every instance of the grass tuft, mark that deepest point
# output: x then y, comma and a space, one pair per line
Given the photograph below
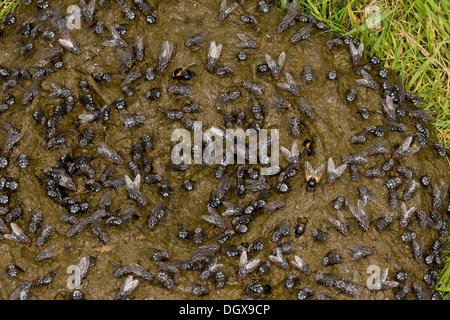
8, 7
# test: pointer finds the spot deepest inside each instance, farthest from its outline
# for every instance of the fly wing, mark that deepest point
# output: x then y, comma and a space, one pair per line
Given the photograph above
340, 170
115, 33
281, 59
340, 216
128, 183
294, 150
91, 7
308, 170
210, 219
251, 265
289, 78
223, 5
243, 37
84, 266
318, 172
406, 143
366, 75
214, 50
166, 50
286, 153
354, 247
243, 259
293, 11
390, 284
223, 186
16, 229
284, 86
105, 199
270, 62
298, 262
384, 275
362, 208
129, 285
107, 43
83, 5
354, 211
360, 49
331, 168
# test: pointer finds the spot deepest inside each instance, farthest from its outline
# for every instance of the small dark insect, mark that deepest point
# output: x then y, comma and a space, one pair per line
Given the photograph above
339, 223
359, 252
333, 172
313, 176
308, 74
356, 53
360, 214
293, 12
319, 235
302, 34
183, 73
332, 257
195, 40
249, 19
276, 66
290, 85
224, 11
213, 55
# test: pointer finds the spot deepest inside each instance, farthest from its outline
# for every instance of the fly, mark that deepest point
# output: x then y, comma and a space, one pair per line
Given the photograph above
276, 66
195, 40
12, 137
31, 93
88, 11
116, 40
157, 214
17, 234
303, 33
360, 214
70, 45
367, 81
226, 98
213, 55
46, 253
339, 223
254, 87
165, 55
245, 266
133, 190
356, 53
333, 172
278, 102
181, 90
214, 218
109, 153
183, 73
313, 176
290, 85
246, 42
301, 265
224, 11
127, 288
293, 12
292, 155
359, 252
307, 109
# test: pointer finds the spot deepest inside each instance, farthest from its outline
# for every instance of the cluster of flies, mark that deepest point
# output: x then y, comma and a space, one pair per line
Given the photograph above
401, 182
